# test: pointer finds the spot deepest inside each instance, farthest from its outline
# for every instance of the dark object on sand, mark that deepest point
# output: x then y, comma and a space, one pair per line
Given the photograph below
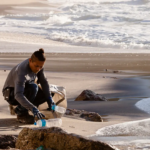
92, 116
89, 116
88, 95
7, 141
115, 71
56, 139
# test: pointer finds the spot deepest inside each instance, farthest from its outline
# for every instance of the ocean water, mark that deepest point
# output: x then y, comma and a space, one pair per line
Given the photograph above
119, 24
133, 135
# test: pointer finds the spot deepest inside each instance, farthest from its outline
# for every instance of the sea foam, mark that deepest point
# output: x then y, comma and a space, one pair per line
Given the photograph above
132, 128
115, 24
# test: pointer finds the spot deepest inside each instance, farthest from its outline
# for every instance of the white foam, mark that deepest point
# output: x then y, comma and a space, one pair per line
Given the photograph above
128, 142
129, 133
132, 128
115, 24
144, 105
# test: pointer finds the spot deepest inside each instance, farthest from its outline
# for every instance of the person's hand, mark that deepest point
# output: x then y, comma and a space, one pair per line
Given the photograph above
52, 108
50, 103
37, 113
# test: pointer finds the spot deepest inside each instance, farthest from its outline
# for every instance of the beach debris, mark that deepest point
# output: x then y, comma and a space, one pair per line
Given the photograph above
40, 148
114, 71
114, 77
89, 116
58, 139
7, 141
88, 95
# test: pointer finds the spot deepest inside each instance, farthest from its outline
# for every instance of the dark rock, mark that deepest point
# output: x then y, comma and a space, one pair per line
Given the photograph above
69, 112
7, 141
92, 116
115, 71
88, 95
73, 111
56, 139
89, 116
114, 77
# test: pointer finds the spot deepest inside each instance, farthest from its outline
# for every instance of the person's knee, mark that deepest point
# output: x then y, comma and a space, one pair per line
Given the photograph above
32, 87
31, 91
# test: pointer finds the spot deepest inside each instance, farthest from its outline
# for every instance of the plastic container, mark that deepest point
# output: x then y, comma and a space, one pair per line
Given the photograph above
59, 109
56, 122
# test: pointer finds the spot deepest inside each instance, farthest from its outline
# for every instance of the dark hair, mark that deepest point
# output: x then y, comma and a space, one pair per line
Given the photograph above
38, 55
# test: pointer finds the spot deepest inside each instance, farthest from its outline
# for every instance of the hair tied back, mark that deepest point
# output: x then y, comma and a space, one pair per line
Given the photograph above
41, 50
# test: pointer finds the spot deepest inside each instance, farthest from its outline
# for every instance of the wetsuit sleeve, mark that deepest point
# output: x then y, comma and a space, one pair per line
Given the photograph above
19, 92
44, 83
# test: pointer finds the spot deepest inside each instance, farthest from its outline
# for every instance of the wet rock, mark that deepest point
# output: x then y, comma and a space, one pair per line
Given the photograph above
56, 139
88, 95
7, 141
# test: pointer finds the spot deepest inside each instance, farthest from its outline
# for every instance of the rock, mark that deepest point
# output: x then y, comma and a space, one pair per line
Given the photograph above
115, 71
56, 139
89, 116
92, 116
88, 95
73, 111
7, 141
114, 77
69, 112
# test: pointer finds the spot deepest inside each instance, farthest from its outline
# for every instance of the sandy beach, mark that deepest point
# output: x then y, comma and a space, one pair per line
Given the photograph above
123, 78
74, 73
